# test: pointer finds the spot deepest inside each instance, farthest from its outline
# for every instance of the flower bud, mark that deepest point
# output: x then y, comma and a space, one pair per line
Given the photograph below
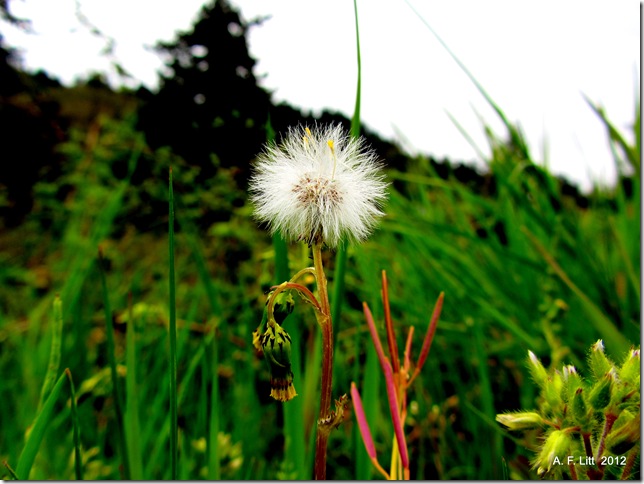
276, 344
598, 361
283, 306
520, 420
624, 436
600, 394
630, 370
557, 445
552, 391
537, 370
580, 410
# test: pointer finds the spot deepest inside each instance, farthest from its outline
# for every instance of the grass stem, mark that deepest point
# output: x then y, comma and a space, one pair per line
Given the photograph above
174, 452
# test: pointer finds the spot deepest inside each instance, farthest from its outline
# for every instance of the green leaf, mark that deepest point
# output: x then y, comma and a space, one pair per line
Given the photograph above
28, 454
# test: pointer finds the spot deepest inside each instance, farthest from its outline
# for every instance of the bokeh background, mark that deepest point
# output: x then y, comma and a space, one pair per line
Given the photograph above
527, 260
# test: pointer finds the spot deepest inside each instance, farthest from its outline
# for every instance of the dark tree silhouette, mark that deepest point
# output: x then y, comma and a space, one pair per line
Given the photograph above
30, 129
209, 101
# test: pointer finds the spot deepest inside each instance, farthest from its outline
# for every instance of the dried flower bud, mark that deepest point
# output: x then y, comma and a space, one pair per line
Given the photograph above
276, 344
520, 420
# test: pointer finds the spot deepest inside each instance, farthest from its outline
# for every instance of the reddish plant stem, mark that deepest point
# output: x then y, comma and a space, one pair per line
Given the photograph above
391, 336
608, 425
326, 327
587, 445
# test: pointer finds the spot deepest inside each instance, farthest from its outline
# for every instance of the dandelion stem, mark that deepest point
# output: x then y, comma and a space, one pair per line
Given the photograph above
327, 366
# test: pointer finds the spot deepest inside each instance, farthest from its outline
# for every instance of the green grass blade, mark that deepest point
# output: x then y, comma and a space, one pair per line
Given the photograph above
133, 428
608, 331
45, 416
78, 462
355, 120
116, 388
173, 340
632, 154
490, 470
54, 355
214, 465
341, 255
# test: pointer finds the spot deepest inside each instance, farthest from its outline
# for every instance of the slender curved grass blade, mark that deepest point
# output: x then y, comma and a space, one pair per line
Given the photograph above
54, 355
78, 463
45, 416
116, 389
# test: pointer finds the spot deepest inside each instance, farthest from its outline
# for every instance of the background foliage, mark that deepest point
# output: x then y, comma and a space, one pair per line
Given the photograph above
524, 259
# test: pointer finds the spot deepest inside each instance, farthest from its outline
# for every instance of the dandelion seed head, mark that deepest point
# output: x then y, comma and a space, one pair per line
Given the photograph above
320, 185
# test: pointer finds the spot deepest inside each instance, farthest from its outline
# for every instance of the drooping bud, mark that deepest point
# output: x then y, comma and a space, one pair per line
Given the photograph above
284, 304
282, 307
520, 420
276, 344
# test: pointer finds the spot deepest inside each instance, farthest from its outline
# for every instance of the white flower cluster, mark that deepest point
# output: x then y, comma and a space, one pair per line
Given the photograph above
320, 185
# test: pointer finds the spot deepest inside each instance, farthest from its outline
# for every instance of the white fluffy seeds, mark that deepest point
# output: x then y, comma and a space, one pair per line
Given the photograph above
319, 186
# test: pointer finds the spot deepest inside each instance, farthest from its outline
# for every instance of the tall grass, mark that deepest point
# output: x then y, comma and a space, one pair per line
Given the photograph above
522, 264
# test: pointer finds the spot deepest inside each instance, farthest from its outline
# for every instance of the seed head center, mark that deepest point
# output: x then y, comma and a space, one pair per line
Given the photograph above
317, 190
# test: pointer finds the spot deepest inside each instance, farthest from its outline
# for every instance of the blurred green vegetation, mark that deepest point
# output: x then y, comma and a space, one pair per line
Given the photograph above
523, 266
526, 263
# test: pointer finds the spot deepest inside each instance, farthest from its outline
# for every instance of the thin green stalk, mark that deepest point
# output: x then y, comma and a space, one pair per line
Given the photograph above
174, 451
487, 402
326, 327
78, 464
341, 255
133, 428
11, 471
116, 390
54, 355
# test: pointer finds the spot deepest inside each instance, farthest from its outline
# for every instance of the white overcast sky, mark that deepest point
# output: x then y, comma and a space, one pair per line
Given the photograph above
535, 59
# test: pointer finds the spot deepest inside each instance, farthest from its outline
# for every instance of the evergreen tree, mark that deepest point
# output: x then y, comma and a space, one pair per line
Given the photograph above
209, 101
